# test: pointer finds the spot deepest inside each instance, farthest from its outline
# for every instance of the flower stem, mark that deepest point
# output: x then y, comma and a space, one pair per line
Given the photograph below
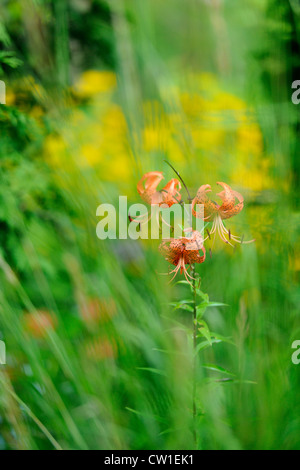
181, 179
194, 359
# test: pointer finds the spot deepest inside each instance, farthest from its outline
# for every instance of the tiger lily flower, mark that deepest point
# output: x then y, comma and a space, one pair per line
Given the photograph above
147, 189
183, 251
216, 213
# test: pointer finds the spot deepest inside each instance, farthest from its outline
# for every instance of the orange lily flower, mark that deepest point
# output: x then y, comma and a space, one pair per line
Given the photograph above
100, 349
216, 213
39, 323
94, 310
183, 251
147, 188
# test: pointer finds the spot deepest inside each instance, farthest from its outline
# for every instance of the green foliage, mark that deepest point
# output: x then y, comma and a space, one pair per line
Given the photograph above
9, 59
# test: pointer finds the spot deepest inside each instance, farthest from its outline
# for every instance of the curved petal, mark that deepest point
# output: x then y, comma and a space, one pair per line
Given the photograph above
147, 187
193, 247
195, 257
210, 207
195, 243
228, 196
171, 250
170, 192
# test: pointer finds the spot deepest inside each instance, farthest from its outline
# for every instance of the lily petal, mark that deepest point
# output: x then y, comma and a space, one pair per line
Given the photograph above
147, 187
187, 248
228, 196
170, 192
210, 207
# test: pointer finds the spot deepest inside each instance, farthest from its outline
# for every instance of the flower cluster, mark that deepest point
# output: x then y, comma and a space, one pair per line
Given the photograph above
184, 252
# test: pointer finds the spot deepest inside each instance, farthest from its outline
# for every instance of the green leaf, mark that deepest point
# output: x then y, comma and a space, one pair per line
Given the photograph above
145, 415
223, 338
183, 305
170, 352
231, 380
216, 304
154, 371
4, 36
178, 325
218, 369
9, 59
206, 344
202, 295
204, 330
201, 308
183, 282
215, 339
186, 307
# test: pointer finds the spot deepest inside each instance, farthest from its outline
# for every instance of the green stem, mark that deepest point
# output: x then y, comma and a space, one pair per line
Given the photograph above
181, 179
194, 358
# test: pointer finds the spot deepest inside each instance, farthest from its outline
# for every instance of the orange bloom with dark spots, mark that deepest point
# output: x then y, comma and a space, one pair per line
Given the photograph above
232, 204
147, 189
182, 252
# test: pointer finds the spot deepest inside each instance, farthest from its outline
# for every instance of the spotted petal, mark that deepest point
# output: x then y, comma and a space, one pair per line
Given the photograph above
210, 207
170, 192
229, 208
188, 248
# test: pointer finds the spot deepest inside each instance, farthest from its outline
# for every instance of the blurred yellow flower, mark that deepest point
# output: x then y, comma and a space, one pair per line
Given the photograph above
94, 82
253, 175
249, 139
54, 147
261, 220
294, 259
193, 105
10, 97
207, 122
90, 155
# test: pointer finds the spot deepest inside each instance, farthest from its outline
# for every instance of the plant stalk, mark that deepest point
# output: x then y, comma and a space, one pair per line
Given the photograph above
194, 359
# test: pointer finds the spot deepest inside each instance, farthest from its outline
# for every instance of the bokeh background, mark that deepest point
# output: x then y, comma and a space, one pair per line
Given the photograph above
99, 93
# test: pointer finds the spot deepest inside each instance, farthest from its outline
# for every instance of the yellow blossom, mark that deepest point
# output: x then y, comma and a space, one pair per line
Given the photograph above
94, 82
